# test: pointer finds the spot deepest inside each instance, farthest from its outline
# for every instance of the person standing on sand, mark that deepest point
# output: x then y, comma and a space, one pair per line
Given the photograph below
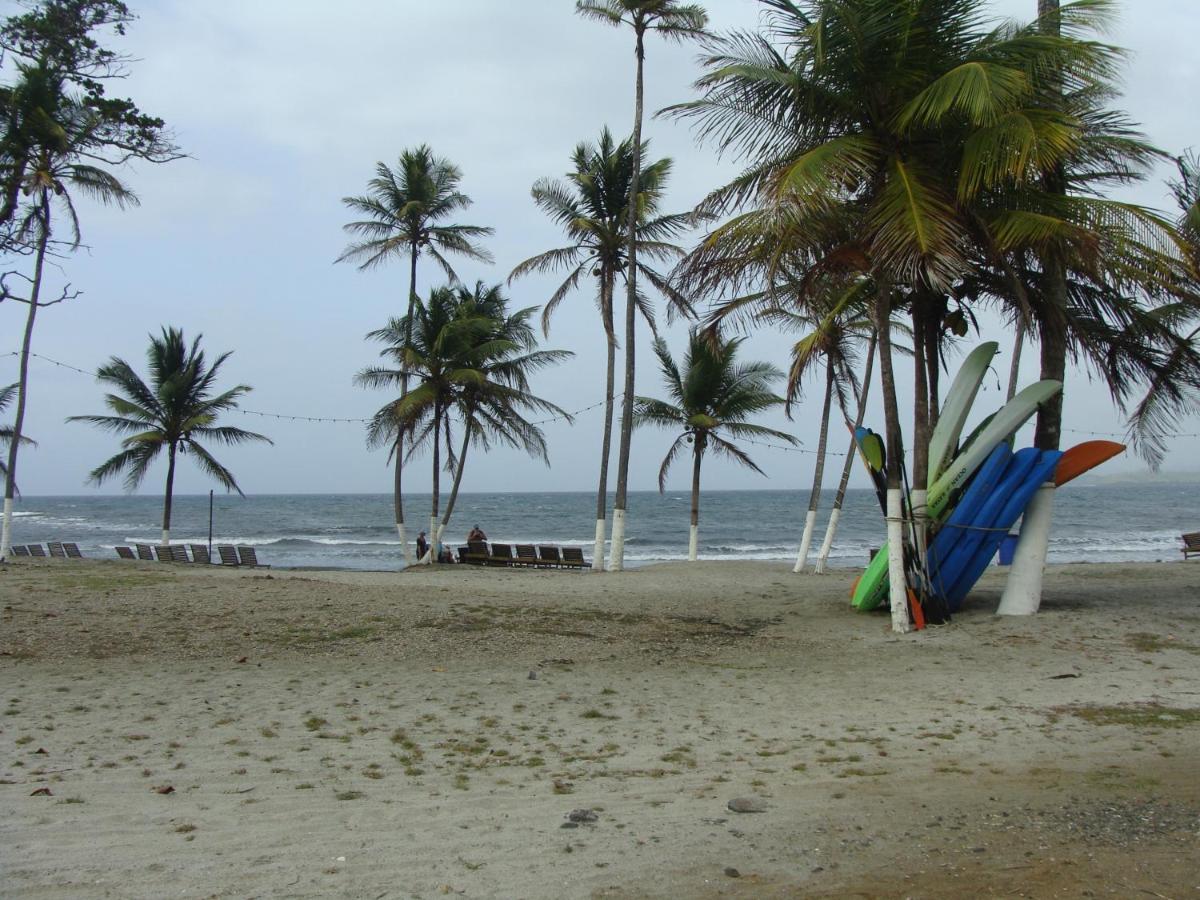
422, 546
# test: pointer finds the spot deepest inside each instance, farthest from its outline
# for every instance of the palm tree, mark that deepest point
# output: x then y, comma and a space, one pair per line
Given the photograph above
591, 206
405, 211
176, 410
837, 318
674, 21
711, 397
493, 396
895, 117
57, 165
467, 354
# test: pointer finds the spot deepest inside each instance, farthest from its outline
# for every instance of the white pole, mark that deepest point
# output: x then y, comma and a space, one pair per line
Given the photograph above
693, 542
6, 537
1023, 590
897, 586
598, 548
827, 544
617, 556
810, 522
403, 543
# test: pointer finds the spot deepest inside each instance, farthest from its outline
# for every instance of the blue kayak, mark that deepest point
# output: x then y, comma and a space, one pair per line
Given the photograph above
974, 531
1010, 509
944, 543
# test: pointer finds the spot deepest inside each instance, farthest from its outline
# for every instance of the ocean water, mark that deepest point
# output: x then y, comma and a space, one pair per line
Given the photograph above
1111, 523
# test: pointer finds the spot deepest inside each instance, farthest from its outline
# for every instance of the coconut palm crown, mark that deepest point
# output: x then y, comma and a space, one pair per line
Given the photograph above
711, 398
176, 410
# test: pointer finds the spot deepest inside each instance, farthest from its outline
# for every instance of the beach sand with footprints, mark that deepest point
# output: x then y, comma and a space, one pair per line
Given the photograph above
702, 730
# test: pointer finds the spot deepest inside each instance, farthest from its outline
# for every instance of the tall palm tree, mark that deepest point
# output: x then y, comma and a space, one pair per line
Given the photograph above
711, 397
58, 165
678, 22
592, 207
175, 410
405, 211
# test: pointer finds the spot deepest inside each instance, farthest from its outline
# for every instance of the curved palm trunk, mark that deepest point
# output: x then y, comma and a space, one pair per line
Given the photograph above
836, 514
694, 531
10, 479
606, 290
458, 473
620, 502
1014, 368
169, 497
814, 497
897, 585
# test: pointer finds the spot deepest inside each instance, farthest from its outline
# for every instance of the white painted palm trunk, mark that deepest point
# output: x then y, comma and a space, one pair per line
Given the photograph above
616, 562
403, 543
810, 524
897, 586
827, 543
166, 537
693, 543
598, 547
6, 534
1023, 591
432, 555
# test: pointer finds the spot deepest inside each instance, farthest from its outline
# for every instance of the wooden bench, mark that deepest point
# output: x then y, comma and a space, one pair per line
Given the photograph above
228, 555
1191, 544
572, 558
248, 557
200, 553
72, 551
125, 553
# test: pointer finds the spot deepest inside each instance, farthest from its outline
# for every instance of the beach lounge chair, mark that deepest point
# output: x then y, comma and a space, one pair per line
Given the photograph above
72, 551
1191, 544
572, 558
36, 550
179, 553
20, 550
164, 554
228, 555
56, 550
200, 553
143, 551
125, 552
501, 555
549, 555
247, 557
477, 553
526, 555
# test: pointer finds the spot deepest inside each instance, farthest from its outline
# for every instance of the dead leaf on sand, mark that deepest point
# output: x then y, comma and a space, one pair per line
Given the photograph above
42, 792
164, 789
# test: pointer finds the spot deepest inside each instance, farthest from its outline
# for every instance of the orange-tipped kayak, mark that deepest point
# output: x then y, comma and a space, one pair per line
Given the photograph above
1083, 458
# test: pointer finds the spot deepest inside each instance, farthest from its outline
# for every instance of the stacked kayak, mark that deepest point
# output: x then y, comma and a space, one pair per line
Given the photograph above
978, 489
997, 497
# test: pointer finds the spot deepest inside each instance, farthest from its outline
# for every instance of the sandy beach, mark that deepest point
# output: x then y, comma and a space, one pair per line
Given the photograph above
175, 732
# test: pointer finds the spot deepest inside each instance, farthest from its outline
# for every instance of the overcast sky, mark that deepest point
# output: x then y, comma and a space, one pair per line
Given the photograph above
285, 106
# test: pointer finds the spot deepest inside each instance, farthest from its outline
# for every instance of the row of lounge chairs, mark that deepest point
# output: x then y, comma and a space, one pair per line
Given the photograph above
544, 556
55, 549
227, 554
